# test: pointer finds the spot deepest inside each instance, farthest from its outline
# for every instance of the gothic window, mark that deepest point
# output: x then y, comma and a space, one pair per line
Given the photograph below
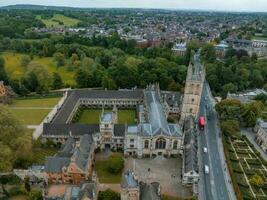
146, 144
175, 143
192, 100
161, 143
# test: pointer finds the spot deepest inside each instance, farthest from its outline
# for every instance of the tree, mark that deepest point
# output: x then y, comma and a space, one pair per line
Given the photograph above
59, 59
208, 53
56, 81
115, 163
230, 127
229, 109
3, 74
229, 87
14, 143
35, 195
74, 58
25, 60
37, 78
109, 195
6, 158
261, 97
27, 183
108, 83
256, 180
251, 112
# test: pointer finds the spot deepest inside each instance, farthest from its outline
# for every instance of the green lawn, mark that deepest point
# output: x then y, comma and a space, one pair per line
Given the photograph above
15, 70
259, 38
91, 116
32, 111
39, 154
30, 116
41, 102
126, 116
101, 167
56, 19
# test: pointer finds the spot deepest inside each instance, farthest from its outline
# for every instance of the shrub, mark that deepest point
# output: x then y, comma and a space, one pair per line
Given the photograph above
257, 181
17, 190
108, 195
115, 163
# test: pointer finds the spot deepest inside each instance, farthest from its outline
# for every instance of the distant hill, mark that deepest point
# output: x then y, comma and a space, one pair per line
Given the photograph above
39, 7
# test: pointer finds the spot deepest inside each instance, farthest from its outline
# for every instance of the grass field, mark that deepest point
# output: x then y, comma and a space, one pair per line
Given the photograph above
91, 116
57, 19
32, 111
42, 102
259, 38
15, 70
101, 167
39, 154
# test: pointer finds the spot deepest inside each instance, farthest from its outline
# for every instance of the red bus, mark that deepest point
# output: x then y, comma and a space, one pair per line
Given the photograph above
201, 122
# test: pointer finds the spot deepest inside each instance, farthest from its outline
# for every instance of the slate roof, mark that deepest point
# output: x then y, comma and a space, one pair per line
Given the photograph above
129, 180
172, 98
190, 149
149, 191
55, 164
66, 109
67, 149
156, 114
119, 130
157, 120
87, 190
76, 130
69, 153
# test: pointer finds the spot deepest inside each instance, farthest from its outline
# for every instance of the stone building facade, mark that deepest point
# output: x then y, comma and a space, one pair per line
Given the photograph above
193, 89
261, 134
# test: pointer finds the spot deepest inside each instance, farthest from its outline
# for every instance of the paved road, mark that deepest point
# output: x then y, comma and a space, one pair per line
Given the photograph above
215, 184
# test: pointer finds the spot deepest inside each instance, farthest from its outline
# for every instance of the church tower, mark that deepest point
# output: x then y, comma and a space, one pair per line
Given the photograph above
193, 89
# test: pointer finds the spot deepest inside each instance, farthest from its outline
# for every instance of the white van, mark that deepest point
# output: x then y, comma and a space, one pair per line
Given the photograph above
206, 169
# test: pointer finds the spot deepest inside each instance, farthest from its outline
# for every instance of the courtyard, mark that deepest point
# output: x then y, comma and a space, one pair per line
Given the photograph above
91, 116
165, 171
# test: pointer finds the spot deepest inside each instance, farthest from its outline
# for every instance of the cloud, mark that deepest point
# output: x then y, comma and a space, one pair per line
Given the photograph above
228, 5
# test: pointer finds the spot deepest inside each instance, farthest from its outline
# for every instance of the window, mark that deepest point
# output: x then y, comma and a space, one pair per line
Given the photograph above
106, 125
131, 140
193, 100
161, 143
175, 144
131, 146
146, 144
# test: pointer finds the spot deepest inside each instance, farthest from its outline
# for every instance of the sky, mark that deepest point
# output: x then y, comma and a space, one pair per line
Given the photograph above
220, 5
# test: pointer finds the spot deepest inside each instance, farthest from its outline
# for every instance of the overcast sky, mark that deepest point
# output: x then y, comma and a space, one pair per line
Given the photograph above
224, 5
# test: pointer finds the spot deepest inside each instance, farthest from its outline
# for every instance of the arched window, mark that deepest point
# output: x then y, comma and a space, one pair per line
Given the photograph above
175, 143
146, 144
161, 143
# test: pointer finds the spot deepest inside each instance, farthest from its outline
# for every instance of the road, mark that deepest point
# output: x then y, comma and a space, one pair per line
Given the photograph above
214, 185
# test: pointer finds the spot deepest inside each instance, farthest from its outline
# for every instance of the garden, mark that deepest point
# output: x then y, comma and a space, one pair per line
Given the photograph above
247, 168
109, 170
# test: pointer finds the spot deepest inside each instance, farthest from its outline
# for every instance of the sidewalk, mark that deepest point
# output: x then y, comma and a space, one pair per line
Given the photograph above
250, 136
